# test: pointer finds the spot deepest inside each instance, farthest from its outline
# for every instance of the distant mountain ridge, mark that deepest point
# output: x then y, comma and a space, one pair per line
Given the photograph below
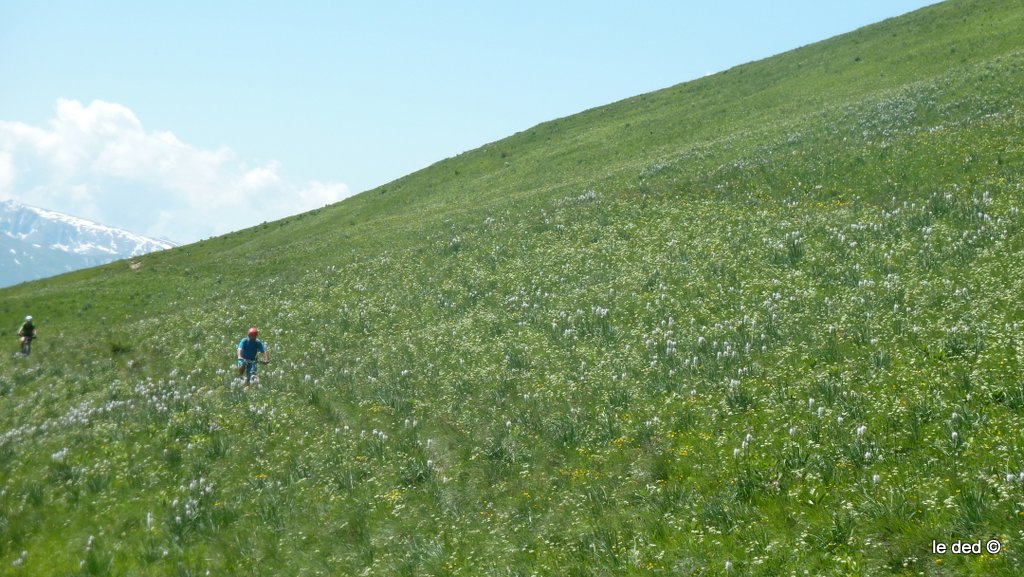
36, 243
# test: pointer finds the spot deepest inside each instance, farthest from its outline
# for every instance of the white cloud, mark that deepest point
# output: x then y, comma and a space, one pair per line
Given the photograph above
7, 174
318, 194
98, 161
260, 178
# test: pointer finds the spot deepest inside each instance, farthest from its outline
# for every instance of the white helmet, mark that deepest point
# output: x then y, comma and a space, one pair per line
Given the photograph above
28, 318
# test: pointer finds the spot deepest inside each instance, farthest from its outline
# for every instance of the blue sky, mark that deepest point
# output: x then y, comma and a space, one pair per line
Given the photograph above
189, 119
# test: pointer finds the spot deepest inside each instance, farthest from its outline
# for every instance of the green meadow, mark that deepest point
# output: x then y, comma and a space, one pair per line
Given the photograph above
767, 322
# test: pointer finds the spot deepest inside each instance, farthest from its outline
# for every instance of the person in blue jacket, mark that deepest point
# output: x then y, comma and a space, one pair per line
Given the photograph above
248, 349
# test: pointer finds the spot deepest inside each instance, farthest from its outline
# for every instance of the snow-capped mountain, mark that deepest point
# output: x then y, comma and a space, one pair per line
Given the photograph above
37, 243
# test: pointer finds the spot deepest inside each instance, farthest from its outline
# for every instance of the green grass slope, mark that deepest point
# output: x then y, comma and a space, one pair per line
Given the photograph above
762, 323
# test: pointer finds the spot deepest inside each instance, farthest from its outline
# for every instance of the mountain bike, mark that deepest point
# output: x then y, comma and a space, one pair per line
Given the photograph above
26, 345
251, 368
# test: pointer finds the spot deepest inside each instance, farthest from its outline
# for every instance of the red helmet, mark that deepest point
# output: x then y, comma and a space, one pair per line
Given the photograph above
253, 332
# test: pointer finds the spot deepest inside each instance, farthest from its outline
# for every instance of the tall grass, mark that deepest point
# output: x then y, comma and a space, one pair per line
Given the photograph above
776, 336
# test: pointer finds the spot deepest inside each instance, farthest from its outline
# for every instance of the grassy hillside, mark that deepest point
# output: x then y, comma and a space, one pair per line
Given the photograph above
762, 323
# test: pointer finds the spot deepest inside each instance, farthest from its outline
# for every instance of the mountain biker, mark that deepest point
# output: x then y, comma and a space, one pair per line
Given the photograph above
27, 332
248, 348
